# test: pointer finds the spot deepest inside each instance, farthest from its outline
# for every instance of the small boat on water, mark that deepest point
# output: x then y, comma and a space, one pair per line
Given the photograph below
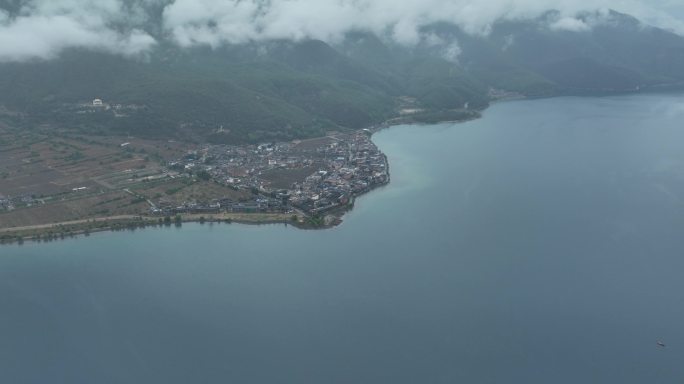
661, 344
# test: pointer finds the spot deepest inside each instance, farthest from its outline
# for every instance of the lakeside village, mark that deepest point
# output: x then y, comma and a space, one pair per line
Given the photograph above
309, 183
76, 183
315, 178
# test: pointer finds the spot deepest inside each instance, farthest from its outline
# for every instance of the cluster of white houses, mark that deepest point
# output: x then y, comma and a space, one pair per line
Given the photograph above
329, 173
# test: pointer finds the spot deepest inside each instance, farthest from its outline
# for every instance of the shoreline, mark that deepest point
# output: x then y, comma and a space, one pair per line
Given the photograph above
73, 229
84, 227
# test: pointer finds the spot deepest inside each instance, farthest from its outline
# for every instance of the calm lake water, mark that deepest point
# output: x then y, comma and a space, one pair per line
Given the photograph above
543, 243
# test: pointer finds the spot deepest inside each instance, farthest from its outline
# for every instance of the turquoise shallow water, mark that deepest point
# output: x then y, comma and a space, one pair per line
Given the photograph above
543, 243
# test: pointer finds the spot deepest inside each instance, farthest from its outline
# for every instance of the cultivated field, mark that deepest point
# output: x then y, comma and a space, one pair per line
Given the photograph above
51, 176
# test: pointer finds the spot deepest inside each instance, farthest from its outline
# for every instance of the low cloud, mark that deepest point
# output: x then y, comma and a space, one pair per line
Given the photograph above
450, 50
214, 22
42, 29
570, 24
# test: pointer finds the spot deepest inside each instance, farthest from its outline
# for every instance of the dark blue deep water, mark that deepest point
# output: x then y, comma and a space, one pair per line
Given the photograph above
543, 243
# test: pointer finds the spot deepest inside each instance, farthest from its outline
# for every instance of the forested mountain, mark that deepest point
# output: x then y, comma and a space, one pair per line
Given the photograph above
281, 90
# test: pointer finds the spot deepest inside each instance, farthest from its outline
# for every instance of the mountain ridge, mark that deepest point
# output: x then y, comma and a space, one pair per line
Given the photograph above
284, 90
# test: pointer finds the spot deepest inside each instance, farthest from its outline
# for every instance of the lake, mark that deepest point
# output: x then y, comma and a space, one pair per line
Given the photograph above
543, 243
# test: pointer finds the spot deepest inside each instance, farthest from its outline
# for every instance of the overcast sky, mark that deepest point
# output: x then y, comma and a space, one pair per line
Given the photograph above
41, 29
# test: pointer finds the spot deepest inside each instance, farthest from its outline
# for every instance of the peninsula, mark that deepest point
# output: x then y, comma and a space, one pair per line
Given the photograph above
58, 186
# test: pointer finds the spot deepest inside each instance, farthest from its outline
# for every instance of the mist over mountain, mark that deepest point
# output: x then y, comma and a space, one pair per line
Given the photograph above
43, 29
236, 72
